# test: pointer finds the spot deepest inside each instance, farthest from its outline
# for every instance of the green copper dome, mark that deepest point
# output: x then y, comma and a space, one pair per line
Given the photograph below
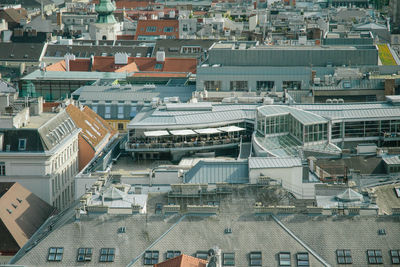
105, 11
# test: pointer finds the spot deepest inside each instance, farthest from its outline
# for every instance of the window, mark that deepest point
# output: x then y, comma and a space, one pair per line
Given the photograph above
374, 256
395, 255
120, 112
107, 254
2, 168
212, 85
302, 259
120, 126
255, 258
94, 108
265, 85
21, 144
238, 86
168, 29
172, 254
344, 256
151, 257
228, 259
151, 29
202, 255
84, 254
291, 85
185, 27
107, 112
158, 66
55, 254
284, 259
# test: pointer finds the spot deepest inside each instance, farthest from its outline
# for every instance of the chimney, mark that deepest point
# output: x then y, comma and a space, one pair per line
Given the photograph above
120, 58
59, 18
91, 63
160, 56
67, 59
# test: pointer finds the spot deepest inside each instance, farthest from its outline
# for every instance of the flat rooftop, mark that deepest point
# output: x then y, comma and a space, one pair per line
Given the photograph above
38, 120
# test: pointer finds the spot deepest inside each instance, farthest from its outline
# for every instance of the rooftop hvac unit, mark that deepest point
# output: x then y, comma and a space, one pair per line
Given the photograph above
329, 101
335, 101
317, 81
340, 100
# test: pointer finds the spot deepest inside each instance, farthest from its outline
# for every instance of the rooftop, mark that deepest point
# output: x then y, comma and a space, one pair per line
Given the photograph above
38, 120
320, 236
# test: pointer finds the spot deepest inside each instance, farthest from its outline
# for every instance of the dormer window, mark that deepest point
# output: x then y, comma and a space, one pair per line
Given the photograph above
21, 144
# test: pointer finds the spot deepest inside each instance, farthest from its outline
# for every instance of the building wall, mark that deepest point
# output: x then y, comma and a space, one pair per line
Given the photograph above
48, 175
100, 30
119, 125
252, 74
86, 152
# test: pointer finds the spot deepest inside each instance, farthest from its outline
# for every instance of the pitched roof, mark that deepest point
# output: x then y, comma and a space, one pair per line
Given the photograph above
94, 128
11, 15
27, 52
160, 26
22, 212
183, 261
135, 64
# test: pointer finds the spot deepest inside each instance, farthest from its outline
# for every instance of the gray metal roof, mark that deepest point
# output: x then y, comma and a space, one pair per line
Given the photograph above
73, 75
302, 116
324, 234
133, 92
270, 162
211, 172
353, 111
392, 160
219, 115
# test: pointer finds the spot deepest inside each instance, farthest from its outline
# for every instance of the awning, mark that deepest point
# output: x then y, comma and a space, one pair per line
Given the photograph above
182, 132
207, 131
156, 133
229, 129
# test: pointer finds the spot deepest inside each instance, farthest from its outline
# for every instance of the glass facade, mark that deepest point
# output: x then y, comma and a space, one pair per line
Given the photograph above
288, 124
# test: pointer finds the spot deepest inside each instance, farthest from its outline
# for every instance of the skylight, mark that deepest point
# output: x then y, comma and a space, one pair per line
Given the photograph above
107, 255
55, 254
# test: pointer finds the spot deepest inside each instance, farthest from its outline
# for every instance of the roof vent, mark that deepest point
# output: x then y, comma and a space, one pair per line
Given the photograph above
15, 206
9, 211
381, 232
228, 231
19, 200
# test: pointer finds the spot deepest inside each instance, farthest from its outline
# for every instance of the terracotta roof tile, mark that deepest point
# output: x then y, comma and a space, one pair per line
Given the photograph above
135, 64
28, 212
142, 25
94, 129
160, 74
183, 261
58, 66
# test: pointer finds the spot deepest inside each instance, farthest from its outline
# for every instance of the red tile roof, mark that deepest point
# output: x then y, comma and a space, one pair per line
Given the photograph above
183, 261
160, 25
22, 213
160, 74
135, 64
94, 129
